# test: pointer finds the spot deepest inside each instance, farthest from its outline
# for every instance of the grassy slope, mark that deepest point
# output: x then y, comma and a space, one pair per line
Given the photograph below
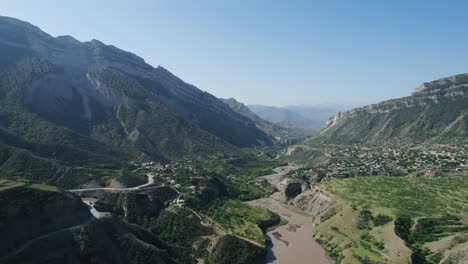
419, 196
392, 196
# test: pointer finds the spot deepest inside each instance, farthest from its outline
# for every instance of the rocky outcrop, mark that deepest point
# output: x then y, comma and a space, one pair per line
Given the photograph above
290, 189
314, 202
133, 205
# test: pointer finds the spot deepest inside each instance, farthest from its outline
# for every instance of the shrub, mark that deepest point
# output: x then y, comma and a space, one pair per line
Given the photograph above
382, 219
364, 217
403, 227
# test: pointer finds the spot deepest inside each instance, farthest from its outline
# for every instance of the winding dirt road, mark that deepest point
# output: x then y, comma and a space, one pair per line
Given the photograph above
291, 243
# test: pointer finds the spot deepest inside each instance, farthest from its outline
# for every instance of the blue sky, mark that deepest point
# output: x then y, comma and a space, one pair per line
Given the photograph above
275, 52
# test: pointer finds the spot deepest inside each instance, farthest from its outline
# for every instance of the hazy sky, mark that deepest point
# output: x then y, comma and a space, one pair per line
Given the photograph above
275, 52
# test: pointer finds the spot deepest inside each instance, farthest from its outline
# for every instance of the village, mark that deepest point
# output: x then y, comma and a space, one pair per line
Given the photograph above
418, 160
181, 176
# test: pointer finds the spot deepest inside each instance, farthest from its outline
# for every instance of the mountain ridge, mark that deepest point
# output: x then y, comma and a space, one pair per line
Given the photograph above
81, 111
435, 110
86, 74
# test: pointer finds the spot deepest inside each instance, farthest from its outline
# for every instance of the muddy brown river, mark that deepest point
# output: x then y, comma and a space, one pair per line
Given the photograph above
291, 243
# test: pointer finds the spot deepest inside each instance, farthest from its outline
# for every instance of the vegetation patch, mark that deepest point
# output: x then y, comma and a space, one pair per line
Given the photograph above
379, 218
243, 220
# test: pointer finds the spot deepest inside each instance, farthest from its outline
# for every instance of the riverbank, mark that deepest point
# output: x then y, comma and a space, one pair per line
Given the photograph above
293, 241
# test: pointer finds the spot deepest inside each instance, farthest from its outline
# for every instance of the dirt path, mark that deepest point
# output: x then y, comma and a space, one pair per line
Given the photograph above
291, 243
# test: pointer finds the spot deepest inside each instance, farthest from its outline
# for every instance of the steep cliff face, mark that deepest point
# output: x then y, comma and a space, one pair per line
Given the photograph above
436, 111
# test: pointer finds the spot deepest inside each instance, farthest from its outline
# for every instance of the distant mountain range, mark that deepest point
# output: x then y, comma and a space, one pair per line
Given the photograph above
277, 130
298, 116
436, 112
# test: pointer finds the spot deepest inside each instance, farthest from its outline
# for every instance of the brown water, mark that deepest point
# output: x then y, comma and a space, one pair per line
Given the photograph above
291, 243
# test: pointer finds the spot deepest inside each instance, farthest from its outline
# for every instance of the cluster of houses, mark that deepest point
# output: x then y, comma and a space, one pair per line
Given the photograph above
357, 160
166, 175
363, 160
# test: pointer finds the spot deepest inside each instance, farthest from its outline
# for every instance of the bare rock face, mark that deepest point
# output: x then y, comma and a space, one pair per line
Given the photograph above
313, 202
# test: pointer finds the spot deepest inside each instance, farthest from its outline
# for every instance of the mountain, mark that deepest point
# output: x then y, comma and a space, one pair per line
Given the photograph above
318, 114
298, 115
245, 111
74, 102
436, 112
275, 130
281, 116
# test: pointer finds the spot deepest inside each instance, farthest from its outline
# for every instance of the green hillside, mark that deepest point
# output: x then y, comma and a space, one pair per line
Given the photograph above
72, 112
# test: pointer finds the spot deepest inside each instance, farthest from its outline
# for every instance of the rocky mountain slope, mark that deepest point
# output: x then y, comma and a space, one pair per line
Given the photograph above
60, 90
436, 111
76, 111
